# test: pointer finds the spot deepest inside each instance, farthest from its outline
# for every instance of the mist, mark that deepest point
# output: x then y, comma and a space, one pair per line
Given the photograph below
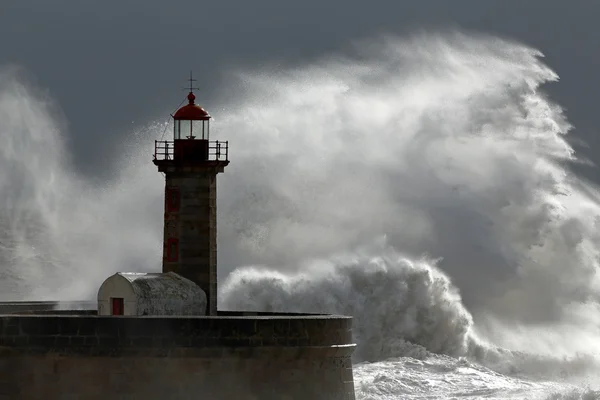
420, 184
449, 148
61, 235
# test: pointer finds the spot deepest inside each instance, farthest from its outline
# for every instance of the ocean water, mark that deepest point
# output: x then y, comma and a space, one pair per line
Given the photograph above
420, 184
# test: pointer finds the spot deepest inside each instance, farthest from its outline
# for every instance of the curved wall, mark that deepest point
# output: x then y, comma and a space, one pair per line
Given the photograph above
225, 357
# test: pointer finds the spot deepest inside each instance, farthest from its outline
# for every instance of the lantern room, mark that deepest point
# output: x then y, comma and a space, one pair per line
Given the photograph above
191, 138
191, 121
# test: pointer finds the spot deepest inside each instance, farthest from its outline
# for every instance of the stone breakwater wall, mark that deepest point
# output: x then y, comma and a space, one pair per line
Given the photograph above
231, 356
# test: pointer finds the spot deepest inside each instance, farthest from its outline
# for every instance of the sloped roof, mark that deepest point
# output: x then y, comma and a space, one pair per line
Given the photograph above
162, 285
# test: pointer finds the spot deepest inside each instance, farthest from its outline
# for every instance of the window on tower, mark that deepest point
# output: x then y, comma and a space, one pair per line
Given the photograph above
172, 199
172, 253
197, 129
194, 129
183, 129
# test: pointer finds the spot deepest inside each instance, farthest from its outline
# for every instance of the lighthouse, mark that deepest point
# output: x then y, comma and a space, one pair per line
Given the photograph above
191, 163
158, 334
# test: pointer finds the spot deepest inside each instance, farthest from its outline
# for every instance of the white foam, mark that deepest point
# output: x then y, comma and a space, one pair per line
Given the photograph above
393, 301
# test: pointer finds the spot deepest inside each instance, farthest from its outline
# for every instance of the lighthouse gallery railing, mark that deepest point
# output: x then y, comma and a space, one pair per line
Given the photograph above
217, 150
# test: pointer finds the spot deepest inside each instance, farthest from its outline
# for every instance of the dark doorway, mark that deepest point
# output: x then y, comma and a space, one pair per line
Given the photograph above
117, 305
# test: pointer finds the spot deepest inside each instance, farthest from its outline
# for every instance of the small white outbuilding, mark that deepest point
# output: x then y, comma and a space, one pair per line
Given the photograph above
135, 293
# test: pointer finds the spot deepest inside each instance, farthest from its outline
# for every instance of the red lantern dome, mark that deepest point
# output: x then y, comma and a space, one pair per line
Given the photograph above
191, 111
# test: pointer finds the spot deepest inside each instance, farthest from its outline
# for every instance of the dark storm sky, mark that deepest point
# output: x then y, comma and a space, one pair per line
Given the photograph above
111, 63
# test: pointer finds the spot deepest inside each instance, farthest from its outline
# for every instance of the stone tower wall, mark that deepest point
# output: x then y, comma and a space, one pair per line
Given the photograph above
190, 233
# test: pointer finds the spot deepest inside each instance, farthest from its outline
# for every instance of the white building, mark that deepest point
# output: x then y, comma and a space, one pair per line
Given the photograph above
133, 293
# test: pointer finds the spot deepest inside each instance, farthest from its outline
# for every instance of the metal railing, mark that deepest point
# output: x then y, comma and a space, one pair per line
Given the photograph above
217, 150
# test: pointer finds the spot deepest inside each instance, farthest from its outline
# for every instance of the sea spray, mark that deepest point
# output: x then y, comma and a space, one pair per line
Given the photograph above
396, 303
445, 144
60, 234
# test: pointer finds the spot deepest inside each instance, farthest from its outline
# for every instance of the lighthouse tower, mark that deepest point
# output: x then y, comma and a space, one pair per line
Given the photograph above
191, 162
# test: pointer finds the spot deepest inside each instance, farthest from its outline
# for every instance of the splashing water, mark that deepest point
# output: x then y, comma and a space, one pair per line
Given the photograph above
62, 236
420, 185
